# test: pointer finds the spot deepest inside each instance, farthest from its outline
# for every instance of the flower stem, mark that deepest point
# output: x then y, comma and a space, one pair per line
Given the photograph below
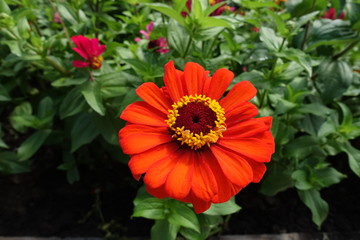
307, 28
187, 47
347, 49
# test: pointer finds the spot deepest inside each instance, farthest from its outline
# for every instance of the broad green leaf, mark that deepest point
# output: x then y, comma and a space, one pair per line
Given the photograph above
303, 20
277, 178
23, 27
4, 95
299, 8
210, 22
280, 23
330, 32
335, 76
4, 8
72, 103
164, 230
319, 208
269, 38
168, 11
212, 8
325, 177
91, 91
67, 14
182, 215
178, 38
301, 147
21, 117
46, 110
190, 234
28, 148
10, 164
64, 82
315, 108
283, 133
301, 180
225, 208
353, 155
148, 206
107, 127
299, 57
258, 4
83, 131
113, 84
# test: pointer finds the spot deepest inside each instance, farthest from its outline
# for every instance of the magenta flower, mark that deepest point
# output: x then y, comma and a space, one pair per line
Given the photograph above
160, 45
331, 14
90, 50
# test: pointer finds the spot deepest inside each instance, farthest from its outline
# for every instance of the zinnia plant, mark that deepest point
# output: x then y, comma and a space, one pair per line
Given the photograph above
192, 144
90, 50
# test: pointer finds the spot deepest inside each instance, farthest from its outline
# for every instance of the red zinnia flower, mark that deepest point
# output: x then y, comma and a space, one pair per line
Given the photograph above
331, 14
192, 144
90, 50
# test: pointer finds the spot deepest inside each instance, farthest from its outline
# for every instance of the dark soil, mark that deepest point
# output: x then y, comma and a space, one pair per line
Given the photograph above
42, 203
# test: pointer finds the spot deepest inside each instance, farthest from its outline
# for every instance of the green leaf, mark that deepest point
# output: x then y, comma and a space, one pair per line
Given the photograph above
84, 130
210, 22
335, 77
258, 4
9, 163
28, 148
72, 103
70, 166
303, 20
330, 32
113, 84
318, 207
64, 82
148, 206
164, 230
277, 178
315, 108
353, 155
91, 91
4, 95
46, 111
299, 8
269, 38
301, 147
301, 180
168, 11
4, 8
325, 177
178, 38
225, 208
21, 117
299, 57
280, 23
67, 14
23, 27
182, 215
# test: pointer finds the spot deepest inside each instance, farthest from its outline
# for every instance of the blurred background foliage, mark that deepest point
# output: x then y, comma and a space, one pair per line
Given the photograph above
302, 55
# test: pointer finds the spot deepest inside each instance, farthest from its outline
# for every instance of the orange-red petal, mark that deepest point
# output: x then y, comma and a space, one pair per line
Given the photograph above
234, 167
259, 170
143, 113
199, 204
173, 82
135, 138
253, 148
241, 92
140, 163
159, 171
220, 81
225, 189
179, 180
152, 94
247, 128
243, 111
194, 77
204, 184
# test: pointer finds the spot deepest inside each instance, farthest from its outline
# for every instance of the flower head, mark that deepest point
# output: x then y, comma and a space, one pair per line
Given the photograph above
191, 143
57, 18
90, 50
331, 14
160, 45
216, 12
